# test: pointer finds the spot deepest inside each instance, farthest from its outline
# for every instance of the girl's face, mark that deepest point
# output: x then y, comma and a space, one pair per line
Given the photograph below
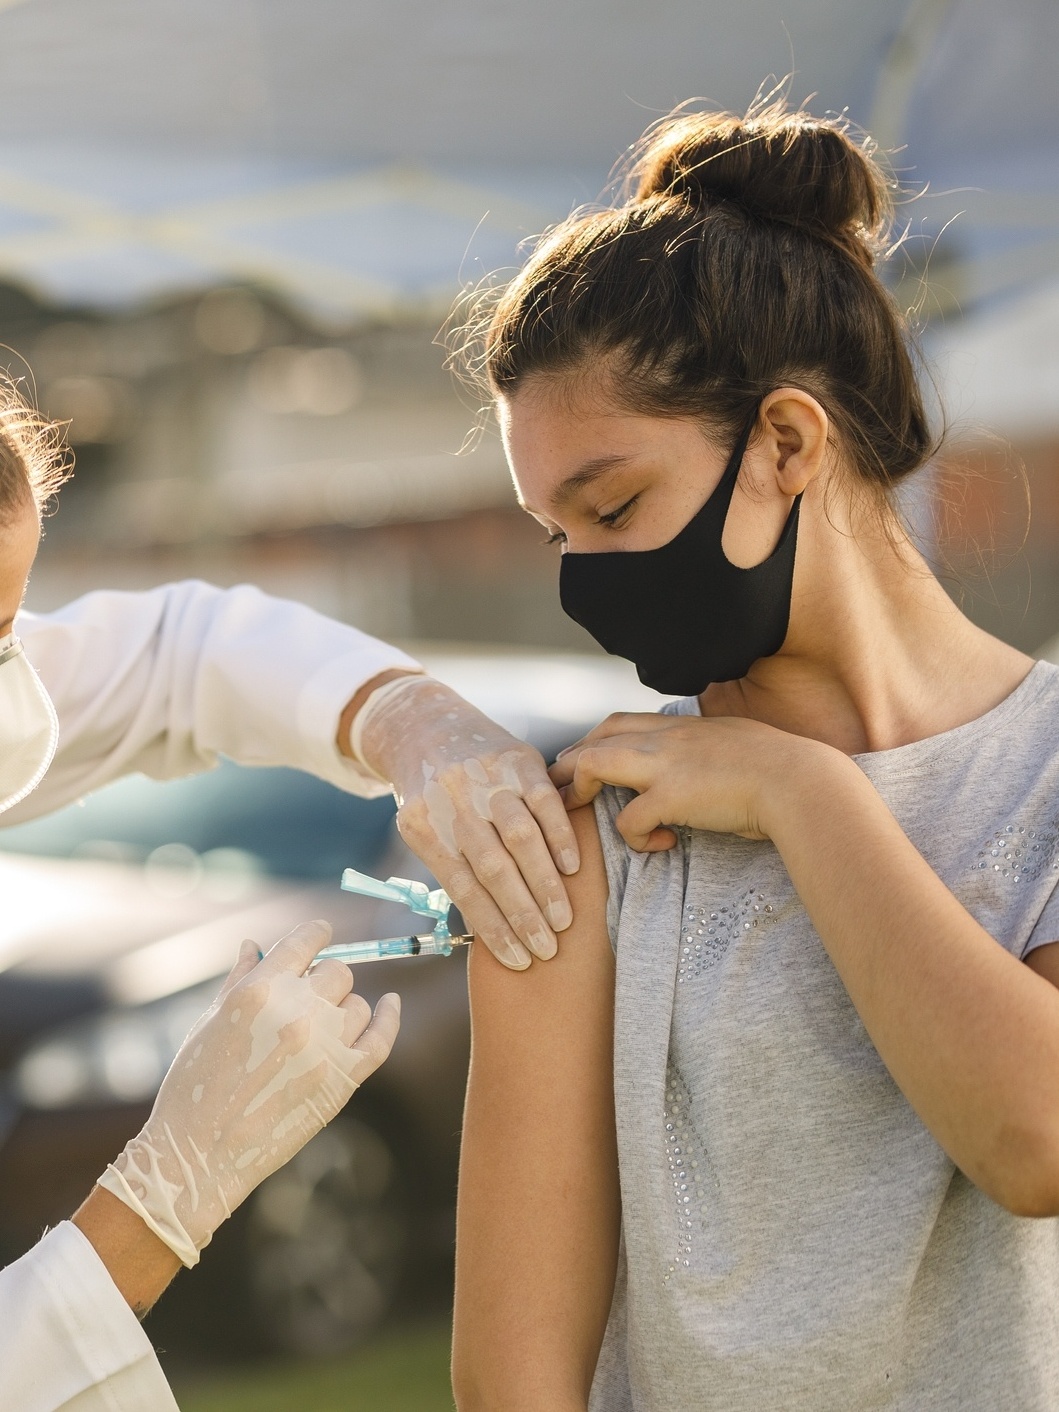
19, 538
598, 478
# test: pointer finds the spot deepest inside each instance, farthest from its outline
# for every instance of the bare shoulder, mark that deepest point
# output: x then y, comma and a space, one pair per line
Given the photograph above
584, 954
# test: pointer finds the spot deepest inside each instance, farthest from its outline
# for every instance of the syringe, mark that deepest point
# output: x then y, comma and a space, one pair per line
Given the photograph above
416, 896
391, 947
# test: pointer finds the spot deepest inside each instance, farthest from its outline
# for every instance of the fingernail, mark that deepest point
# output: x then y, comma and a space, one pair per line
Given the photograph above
559, 914
543, 944
514, 954
569, 861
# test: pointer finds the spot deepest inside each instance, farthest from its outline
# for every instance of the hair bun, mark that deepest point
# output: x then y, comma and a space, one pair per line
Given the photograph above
775, 164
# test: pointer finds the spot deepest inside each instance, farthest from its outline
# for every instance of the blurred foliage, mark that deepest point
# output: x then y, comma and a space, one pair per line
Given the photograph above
404, 1373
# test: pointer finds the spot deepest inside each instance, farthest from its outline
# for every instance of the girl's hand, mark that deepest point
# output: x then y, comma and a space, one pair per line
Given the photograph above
706, 774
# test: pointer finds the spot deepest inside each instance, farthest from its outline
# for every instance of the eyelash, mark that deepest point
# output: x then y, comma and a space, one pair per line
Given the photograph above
610, 520
615, 515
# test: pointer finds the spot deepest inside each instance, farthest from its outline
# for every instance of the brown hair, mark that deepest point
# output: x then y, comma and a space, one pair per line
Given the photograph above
741, 259
34, 460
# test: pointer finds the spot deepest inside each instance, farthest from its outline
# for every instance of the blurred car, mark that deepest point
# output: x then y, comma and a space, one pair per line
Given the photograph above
121, 914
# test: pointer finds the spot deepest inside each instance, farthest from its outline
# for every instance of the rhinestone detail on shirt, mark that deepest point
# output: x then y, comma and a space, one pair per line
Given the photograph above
688, 1167
1019, 853
708, 931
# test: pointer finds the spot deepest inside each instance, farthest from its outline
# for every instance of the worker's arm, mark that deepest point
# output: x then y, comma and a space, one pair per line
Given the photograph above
167, 681
68, 1338
141, 1265
164, 682
538, 1216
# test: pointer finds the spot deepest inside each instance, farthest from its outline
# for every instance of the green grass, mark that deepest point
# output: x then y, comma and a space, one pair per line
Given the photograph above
407, 1372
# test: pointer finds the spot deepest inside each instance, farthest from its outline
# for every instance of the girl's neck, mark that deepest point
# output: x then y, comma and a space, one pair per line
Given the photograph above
877, 655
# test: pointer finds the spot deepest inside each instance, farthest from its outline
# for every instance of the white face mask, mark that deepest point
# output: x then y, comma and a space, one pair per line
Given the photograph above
29, 727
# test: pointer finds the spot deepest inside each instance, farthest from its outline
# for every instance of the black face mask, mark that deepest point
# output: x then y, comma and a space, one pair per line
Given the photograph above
683, 613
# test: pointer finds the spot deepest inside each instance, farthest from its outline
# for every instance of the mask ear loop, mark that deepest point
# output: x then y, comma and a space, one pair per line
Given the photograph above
725, 489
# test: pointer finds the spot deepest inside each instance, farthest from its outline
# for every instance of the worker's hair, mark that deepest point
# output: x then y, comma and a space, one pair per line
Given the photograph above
34, 458
741, 259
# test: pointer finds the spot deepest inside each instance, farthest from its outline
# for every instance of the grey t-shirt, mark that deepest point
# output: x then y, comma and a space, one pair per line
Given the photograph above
794, 1239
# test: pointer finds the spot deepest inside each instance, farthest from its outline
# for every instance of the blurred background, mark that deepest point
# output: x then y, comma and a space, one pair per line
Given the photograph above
229, 234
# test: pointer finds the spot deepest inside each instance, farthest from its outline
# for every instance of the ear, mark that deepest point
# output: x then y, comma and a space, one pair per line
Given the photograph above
789, 445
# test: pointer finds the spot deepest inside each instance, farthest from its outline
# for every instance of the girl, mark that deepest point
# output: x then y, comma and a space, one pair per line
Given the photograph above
778, 1128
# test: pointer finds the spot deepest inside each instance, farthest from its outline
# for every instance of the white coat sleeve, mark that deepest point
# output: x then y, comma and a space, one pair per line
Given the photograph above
165, 681
68, 1340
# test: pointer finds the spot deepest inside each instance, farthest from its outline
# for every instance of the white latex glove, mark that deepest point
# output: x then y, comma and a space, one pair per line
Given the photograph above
277, 1055
479, 809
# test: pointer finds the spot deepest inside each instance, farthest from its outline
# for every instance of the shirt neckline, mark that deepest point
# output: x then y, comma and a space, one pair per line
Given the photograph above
917, 754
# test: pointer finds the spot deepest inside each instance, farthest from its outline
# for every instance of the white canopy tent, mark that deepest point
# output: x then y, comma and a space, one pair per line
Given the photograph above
362, 159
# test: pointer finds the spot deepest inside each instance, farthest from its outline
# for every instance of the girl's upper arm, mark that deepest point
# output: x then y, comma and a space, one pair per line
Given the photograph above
538, 1213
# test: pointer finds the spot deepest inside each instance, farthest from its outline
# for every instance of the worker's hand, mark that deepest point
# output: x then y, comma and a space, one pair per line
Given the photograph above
477, 806
278, 1054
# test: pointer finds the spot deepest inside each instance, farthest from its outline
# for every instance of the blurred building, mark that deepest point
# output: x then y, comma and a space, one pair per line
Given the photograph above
996, 488
224, 437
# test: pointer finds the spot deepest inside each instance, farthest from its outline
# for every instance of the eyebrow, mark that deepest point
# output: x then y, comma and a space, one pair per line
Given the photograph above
589, 472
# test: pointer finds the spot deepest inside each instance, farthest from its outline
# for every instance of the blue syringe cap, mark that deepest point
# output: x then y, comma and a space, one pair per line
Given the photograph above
415, 895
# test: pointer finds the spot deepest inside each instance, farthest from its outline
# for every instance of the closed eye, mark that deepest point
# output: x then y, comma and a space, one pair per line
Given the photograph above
613, 516
610, 520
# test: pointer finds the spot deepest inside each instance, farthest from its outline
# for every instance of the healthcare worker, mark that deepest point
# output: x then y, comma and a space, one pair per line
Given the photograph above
163, 683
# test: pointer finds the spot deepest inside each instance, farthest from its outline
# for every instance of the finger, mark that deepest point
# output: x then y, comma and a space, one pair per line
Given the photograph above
473, 901
581, 791
626, 748
521, 836
374, 1044
331, 980
562, 772
598, 765
544, 804
639, 820
481, 914
621, 723
295, 951
498, 873
356, 1017
660, 840
249, 956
